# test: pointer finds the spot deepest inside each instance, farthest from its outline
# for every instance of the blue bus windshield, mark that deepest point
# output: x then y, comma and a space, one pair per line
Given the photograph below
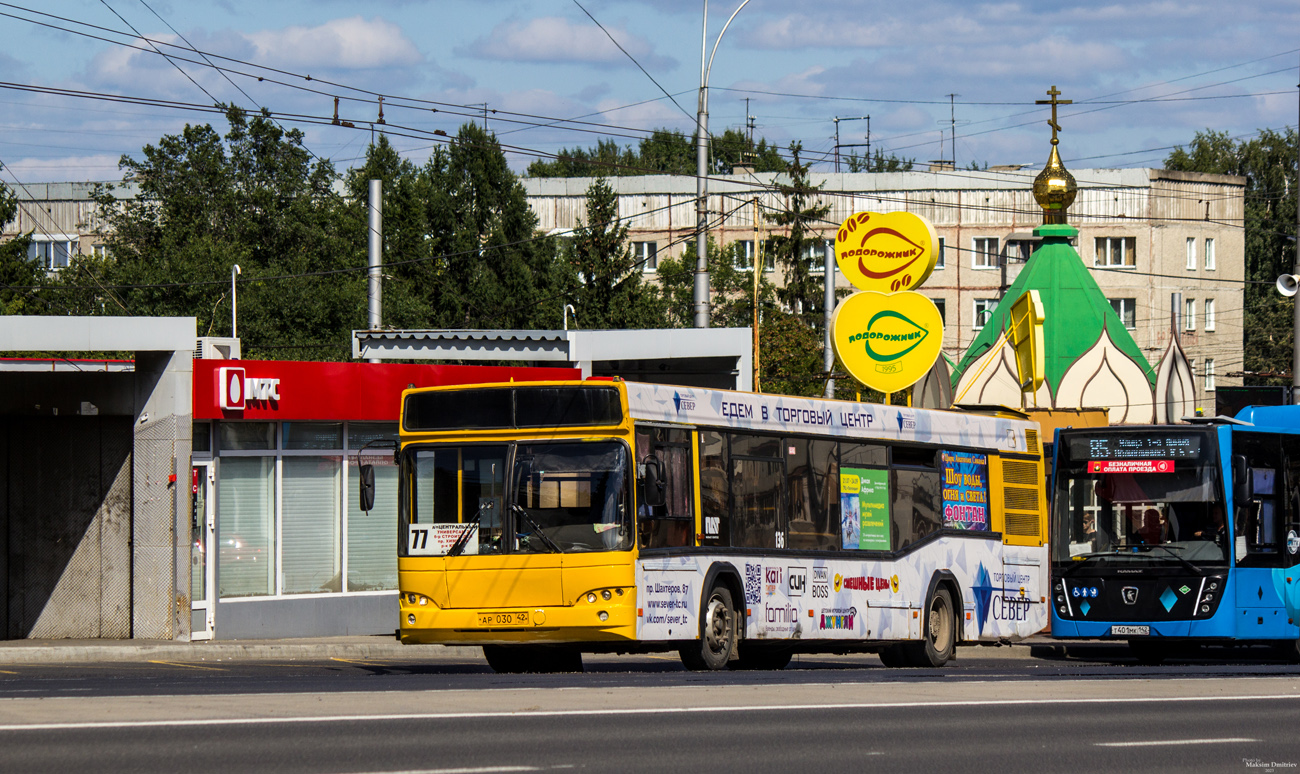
1139, 498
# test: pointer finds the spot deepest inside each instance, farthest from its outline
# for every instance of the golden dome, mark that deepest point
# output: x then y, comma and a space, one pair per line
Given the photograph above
1054, 189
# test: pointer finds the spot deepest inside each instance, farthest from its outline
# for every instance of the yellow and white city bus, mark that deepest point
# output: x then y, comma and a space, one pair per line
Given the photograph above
544, 520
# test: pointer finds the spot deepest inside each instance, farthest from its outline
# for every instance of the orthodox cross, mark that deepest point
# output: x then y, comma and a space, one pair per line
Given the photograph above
1054, 93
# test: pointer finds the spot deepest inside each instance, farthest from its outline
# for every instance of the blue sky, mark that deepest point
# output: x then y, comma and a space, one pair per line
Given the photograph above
1144, 75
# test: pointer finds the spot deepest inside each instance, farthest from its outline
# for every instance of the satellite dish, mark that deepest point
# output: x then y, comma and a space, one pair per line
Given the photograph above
1287, 284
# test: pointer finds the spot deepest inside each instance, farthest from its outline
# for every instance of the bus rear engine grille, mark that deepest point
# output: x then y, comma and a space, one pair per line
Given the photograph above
1031, 441
1024, 473
1015, 498
1022, 524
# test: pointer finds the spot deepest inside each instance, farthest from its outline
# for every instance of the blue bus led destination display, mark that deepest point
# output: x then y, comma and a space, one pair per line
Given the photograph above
1181, 446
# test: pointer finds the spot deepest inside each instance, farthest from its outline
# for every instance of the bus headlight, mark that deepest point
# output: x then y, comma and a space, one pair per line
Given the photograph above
605, 595
410, 619
1062, 609
591, 597
603, 616
1205, 608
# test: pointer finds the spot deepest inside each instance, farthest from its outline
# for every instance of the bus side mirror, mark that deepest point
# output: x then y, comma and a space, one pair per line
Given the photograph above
367, 488
653, 488
1242, 485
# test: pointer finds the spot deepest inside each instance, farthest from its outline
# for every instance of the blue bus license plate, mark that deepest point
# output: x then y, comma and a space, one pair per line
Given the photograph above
1129, 631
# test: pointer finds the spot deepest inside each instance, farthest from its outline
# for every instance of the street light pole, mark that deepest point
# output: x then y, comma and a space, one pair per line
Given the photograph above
701, 294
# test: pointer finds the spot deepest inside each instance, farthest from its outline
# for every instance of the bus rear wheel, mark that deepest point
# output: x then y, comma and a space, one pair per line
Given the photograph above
717, 634
938, 633
516, 659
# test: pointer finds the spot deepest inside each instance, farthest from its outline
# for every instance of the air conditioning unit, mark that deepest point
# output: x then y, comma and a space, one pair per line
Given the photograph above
216, 348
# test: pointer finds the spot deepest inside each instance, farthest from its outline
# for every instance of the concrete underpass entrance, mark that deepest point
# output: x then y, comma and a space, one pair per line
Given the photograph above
95, 478
65, 508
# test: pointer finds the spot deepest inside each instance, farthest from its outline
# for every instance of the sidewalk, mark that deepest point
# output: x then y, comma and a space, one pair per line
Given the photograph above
298, 649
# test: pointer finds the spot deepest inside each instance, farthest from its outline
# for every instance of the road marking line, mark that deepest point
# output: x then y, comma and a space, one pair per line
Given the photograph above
479, 770
183, 664
600, 712
7, 672
1168, 742
359, 661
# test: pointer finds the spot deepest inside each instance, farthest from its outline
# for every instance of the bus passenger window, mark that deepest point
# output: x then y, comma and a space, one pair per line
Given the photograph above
917, 505
715, 491
812, 480
671, 525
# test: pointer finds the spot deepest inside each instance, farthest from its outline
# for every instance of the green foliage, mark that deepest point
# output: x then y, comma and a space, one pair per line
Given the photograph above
603, 280
664, 152
1268, 162
730, 283
254, 198
803, 293
16, 271
879, 163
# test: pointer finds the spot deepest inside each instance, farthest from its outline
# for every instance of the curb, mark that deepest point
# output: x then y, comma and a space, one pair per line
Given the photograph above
199, 652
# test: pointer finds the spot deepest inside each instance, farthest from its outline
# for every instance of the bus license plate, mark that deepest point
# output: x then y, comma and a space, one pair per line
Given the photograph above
1128, 631
515, 618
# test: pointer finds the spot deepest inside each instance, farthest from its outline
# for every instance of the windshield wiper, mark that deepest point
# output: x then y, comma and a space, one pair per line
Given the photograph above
471, 527
537, 530
1128, 550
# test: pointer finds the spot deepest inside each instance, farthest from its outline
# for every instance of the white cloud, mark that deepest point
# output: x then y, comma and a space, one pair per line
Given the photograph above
353, 43
554, 40
100, 167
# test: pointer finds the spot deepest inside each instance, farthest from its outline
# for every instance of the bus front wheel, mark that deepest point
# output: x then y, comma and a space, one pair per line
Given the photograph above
717, 634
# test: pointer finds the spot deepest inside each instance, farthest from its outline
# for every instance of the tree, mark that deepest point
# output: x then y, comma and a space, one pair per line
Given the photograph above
492, 270
666, 152
17, 272
604, 280
879, 163
802, 293
255, 198
1268, 162
730, 284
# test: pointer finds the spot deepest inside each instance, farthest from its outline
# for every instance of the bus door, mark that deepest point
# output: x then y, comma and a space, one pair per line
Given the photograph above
203, 526
1266, 533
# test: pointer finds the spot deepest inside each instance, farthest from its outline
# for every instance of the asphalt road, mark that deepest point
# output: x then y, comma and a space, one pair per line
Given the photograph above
986, 712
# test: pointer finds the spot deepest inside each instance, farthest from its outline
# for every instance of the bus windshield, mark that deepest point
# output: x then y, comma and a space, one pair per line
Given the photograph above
571, 497
1139, 499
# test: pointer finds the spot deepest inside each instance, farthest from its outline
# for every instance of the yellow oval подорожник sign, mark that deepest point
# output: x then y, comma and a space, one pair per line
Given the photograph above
887, 341
886, 252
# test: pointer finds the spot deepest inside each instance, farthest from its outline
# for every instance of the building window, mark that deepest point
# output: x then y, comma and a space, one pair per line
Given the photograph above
51, 254
984, 311
1115, 252
815, 254
939, 254
287, 520
985, 252
1209, 254
99, 251
1209, 314
646, 254
1191, 253
940, 304
744, 260
1019, 250
1126, 308
1209, 374
1189, 315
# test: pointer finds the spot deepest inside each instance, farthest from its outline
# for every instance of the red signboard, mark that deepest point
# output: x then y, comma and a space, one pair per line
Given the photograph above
293, 390
1131, 466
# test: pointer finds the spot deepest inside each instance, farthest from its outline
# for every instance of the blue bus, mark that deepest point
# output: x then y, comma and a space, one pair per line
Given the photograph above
1179, 534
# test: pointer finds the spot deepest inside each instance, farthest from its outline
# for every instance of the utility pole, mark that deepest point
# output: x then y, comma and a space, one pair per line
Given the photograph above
838, 145
700, 295
952, 119
828, 302
376, 254
1295, 269
756, 269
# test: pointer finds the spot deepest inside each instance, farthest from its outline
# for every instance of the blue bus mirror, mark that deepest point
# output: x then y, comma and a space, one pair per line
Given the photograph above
1242, 490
